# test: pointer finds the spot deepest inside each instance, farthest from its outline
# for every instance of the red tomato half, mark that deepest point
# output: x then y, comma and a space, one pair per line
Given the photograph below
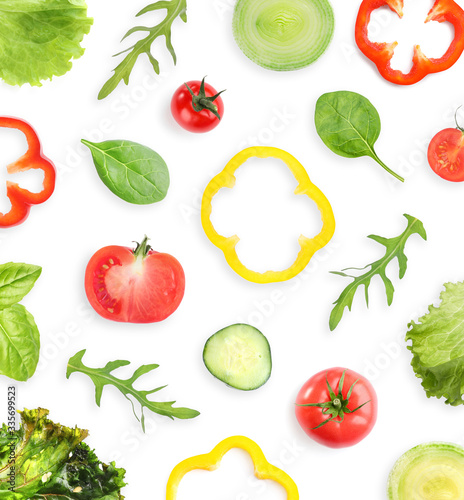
135, 286
358, 420
184, 113
446, 154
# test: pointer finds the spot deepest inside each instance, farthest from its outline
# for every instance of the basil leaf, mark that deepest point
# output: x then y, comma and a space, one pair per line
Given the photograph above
349, 125
16, 281
19, 343
133, 172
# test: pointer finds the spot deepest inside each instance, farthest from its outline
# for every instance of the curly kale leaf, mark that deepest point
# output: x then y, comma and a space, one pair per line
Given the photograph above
52, 463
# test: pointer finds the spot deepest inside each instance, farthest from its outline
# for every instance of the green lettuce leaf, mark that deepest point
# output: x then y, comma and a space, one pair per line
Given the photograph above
52, 463
39, 38
438, 346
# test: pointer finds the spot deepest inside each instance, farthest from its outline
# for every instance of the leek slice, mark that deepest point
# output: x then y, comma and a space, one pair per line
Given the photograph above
430, 471
283, 35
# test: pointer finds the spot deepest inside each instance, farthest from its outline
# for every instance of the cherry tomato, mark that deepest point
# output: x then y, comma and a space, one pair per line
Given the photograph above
332, 415
197, 107
446, 154
135, 286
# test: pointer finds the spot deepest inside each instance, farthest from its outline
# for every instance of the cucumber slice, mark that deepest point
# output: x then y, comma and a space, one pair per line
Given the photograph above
430, 471
240, 356
283, 35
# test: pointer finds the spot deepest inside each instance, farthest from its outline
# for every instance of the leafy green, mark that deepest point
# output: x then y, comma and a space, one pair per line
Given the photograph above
174, 9
16, 281
394, 249
438, 348
133, 172
39, 38
19, 343
349, 125
102, 376
52, 463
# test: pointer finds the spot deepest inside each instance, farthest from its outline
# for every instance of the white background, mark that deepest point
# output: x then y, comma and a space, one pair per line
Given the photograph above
83, 216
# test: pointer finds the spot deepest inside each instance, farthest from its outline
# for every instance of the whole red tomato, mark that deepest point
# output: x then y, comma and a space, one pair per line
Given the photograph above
197, 107
134, 286
337, 407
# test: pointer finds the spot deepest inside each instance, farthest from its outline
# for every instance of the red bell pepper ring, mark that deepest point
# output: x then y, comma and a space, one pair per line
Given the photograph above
22, 199
382, 53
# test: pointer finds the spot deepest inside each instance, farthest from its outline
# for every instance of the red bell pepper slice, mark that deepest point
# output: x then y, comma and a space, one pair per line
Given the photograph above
381, 53
22, 199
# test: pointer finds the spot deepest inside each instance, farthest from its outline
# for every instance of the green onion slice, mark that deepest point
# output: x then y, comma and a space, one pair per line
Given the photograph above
283, 35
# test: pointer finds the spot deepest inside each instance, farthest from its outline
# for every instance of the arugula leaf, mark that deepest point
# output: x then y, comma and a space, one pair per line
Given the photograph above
52, 463
39, 38
174, 9
19, 343
437, 346
133, 172
102, 376
349, 125
16, 281
394, 249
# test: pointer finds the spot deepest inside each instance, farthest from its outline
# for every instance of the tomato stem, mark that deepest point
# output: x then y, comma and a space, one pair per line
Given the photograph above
200, 101
456, 120
142, 249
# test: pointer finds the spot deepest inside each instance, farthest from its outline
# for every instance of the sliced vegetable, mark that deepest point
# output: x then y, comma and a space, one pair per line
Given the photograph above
174, 9
283, 35
103, 376
437, 347
22, 199
381, 53
309, 246
240, 356
349, 125
134, 286
197, 107
133, 172
430, 471
446, 153
212, 460
337, 419
39, 38
51, 462
394, 249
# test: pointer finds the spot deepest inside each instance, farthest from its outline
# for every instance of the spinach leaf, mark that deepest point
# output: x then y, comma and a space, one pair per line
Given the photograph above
349, 125
394, 249
131, 171
19, 343
16, 281
102, 376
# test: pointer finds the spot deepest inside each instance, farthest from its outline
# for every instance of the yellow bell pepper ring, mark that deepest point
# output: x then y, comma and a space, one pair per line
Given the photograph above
211, 461
227, 244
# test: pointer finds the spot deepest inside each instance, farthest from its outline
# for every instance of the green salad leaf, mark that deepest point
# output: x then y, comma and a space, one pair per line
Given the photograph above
438, 348
16, 281
52, 463
174, 9
133, 172
103, 376
39, 38
19, 343
394, 249
349, 125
